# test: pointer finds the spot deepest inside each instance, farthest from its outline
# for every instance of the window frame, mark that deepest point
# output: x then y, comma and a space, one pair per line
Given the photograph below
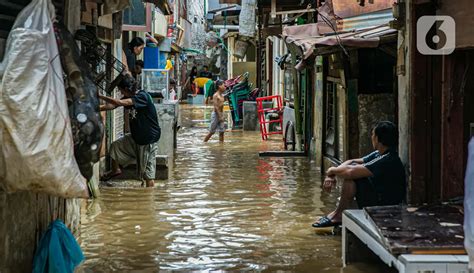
141, 28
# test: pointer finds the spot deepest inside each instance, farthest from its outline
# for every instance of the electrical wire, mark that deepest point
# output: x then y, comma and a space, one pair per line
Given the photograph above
338, 38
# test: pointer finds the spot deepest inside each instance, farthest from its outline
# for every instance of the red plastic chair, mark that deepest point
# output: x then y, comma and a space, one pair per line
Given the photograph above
262, 112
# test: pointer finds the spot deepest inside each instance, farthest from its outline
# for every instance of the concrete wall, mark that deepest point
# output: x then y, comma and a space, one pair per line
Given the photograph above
24, 217
196, 15
250, 115
240, 68
373, 108
167, 117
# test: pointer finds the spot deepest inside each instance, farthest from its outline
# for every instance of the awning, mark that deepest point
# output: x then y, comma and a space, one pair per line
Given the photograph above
308, 38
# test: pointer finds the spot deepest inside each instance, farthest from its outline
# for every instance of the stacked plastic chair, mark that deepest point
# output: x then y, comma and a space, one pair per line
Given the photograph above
239, 90
239, 94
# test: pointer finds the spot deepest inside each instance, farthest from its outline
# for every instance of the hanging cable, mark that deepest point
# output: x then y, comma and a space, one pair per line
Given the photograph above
338, 38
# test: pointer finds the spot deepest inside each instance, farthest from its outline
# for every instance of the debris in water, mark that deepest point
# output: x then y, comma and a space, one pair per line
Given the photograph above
444, 224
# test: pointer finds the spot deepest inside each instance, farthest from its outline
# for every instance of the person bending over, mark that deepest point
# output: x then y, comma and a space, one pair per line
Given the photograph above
139, 147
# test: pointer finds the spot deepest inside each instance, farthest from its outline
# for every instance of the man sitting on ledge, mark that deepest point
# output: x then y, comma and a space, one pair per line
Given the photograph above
377, 179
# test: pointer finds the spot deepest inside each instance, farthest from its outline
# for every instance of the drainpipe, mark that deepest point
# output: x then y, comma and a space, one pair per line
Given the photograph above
298, 118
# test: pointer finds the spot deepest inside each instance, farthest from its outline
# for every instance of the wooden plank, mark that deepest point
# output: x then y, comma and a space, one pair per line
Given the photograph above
455, 131
439, 252
424, 120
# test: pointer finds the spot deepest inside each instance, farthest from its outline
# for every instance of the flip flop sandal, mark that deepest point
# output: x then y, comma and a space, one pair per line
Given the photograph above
109, 176
325, 222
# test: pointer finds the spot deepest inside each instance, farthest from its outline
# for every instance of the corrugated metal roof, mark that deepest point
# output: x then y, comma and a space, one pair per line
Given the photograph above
365, 20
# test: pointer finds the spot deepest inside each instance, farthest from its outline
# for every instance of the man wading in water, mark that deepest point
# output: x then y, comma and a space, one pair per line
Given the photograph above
217, 116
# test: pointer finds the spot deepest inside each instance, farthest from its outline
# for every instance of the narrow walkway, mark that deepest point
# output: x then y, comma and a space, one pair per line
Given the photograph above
223, 208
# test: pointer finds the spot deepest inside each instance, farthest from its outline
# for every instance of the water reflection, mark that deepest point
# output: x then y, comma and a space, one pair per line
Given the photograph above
223, 208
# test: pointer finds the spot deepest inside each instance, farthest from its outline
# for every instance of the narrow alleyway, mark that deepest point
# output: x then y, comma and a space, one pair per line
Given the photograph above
223, 208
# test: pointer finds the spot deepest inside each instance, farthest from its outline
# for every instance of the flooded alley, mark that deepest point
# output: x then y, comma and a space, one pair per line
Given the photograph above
329, 136
223, 208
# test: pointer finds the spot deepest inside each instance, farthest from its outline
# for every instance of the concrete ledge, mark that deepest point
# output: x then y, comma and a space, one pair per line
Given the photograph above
198, 99
361, 242
282, 154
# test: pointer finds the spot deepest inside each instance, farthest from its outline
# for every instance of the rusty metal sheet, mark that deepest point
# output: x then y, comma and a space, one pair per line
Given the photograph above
420, 230
306, 38
349, 8
365, 20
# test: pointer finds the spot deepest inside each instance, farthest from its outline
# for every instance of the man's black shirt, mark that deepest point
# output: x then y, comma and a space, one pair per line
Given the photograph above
388, 176
143, 119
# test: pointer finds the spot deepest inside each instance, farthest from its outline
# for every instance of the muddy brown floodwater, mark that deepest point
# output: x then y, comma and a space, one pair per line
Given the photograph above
223, 209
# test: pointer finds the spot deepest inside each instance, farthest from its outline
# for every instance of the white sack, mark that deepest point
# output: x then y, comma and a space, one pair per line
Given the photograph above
36, 151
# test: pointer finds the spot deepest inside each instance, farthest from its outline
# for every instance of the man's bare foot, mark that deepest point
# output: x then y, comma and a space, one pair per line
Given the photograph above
150, 183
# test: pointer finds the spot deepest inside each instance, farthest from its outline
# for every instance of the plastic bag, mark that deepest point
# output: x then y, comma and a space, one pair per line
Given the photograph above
37, 144
469, 207
58, 251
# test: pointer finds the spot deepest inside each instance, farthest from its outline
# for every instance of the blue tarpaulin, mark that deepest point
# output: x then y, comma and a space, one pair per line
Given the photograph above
58, 251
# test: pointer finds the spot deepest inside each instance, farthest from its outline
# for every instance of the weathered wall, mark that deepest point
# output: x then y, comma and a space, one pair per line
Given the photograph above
24, 217
461, 12
373, 108
318, 110
196, 15
167, 117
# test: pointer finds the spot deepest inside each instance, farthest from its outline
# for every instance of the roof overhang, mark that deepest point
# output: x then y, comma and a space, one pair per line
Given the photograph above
307, 41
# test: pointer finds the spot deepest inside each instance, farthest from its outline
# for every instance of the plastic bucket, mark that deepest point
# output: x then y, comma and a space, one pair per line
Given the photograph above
240, 48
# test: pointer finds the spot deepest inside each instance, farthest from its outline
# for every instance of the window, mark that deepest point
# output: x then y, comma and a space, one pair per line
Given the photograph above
330, 143
137, 17
289, 86
135, 14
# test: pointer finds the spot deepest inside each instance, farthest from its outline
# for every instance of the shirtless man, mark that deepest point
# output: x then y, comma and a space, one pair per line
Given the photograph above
217, 116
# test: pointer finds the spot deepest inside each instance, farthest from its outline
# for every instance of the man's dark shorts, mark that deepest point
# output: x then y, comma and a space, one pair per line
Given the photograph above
366, 193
